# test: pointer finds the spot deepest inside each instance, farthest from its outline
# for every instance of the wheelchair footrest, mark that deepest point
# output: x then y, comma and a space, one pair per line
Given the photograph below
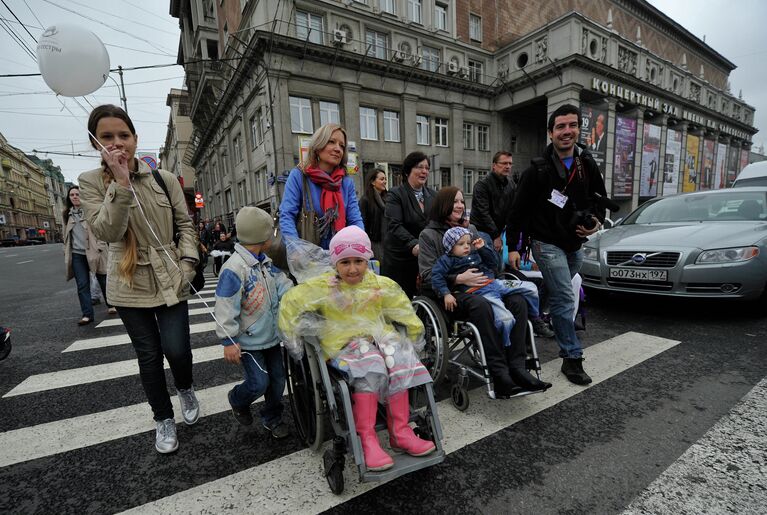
404, 464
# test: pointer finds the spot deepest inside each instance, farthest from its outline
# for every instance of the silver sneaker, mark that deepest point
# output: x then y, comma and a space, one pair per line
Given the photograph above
190, 407
166, 441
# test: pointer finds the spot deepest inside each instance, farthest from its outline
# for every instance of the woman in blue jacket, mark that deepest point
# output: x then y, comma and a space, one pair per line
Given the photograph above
332, 192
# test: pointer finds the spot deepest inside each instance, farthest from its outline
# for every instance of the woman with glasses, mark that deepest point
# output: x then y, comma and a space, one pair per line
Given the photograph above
407, 210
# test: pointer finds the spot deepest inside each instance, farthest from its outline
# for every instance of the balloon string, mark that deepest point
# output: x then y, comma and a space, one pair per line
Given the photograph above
151, 229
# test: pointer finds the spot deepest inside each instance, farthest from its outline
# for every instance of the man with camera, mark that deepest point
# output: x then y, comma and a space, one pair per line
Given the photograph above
558, 204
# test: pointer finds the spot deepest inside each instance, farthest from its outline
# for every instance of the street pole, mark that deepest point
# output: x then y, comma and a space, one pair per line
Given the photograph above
122, 89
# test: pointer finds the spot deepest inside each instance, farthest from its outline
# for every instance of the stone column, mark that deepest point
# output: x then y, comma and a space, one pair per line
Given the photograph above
635, 183
407, 129
351, 122
610, 148
663, 119
456, 151
569, 94
682, 126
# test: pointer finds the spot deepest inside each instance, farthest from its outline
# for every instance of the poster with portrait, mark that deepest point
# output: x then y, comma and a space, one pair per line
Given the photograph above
623, 164
720, 176
672, 162
732, 165
707, 168
743, 159
594, 132
691, 164
648, 176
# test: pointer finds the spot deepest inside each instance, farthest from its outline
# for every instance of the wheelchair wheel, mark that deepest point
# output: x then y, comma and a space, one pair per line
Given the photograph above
306, 400
460, 397
435, 353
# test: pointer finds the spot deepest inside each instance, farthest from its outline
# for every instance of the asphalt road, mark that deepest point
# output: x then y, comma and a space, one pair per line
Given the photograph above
675, 422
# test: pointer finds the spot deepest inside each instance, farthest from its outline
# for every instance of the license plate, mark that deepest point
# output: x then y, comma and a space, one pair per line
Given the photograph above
638, 274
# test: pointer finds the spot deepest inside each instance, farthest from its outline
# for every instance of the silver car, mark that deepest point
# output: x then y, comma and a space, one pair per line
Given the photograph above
704, 244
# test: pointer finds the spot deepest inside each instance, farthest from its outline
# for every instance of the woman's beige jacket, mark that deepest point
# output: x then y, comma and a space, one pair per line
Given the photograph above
110, 210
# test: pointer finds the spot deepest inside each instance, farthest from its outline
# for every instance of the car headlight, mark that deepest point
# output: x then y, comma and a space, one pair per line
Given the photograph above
732, 255
590, 253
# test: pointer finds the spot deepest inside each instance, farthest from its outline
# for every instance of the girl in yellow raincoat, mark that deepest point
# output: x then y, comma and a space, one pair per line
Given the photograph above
357, 335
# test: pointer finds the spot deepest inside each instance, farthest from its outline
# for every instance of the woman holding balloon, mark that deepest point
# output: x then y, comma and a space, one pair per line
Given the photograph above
148, 274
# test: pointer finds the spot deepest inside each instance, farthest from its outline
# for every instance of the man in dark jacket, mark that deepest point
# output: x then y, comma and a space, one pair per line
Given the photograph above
492, 199
555, 209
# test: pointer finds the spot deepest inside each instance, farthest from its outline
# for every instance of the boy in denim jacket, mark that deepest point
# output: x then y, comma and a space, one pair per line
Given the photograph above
247, 298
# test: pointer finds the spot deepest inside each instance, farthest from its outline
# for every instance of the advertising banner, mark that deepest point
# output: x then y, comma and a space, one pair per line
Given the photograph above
594, 132
720, 174
623, 164
691, 164
743, 159
732, 165
672, 162
707, 171
648, 177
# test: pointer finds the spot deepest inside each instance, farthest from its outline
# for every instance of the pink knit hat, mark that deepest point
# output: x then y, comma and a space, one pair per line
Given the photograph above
350, 242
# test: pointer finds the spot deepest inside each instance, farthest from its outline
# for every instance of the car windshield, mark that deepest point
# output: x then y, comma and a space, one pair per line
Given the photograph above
734, 204
751, 181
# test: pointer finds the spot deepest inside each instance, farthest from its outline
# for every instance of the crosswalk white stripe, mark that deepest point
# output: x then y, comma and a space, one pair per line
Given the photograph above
723, 472
121, 339
95, 373
300, 472
116, 321
209, 300
42, 440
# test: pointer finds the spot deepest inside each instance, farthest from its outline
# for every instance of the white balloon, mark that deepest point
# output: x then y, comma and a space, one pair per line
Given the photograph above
72, 60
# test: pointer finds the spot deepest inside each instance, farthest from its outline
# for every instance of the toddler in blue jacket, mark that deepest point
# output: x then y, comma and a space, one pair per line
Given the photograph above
247, 300
462, 254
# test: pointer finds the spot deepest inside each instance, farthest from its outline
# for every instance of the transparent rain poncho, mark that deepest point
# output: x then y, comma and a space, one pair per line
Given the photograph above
368, 331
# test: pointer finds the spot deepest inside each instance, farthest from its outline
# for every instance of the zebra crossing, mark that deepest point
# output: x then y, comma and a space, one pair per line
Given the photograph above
289, 482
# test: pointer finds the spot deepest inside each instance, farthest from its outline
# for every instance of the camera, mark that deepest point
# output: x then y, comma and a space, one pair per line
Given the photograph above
583, 217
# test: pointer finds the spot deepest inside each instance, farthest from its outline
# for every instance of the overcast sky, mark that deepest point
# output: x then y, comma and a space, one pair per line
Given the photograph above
141, 32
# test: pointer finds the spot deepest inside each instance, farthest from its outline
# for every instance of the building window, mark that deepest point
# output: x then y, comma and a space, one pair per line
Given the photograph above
422, 130
468, 181
391, 125
300, 115
237, 147
389, 6
440, 16
414, 10
440, 132
447, 179
430, 58
228, 200
475, 27
376, 44
329, 113
256, 137
309, 25
242, 193
468, 136
483, 137
481, 174
475, 71
368, 125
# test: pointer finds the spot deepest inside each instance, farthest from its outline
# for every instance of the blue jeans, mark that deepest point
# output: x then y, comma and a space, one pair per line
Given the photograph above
83, 279
155, 333
499, 289
558, 268
264, 375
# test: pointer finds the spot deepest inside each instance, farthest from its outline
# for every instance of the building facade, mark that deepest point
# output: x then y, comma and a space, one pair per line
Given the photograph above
457, 80
25, 207
177, 140
57, 192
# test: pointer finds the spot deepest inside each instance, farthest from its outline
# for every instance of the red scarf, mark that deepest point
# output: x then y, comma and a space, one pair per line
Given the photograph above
331, 196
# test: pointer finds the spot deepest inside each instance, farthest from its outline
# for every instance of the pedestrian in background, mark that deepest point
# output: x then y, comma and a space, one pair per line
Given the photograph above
373, 209
407, 213
149, 274
83, 254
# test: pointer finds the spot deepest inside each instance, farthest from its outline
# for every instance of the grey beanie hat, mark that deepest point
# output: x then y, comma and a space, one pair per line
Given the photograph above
254, 225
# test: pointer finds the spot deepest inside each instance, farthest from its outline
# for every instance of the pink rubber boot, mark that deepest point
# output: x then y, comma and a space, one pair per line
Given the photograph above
364, 408
401, 435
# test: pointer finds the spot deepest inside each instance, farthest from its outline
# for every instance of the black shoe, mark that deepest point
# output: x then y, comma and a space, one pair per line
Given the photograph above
505, 388
242, 415
278, 430
572, 368
528, 381
541, 328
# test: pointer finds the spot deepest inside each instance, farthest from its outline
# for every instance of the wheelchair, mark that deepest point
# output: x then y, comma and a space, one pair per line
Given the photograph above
320, 400
458, 344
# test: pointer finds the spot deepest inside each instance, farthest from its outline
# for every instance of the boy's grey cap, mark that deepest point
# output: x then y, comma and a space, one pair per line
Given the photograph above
254, 225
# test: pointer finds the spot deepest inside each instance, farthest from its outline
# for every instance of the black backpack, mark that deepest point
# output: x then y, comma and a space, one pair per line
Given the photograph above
198, 282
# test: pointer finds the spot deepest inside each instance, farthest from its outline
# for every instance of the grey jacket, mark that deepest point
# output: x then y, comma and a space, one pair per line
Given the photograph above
247, 299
